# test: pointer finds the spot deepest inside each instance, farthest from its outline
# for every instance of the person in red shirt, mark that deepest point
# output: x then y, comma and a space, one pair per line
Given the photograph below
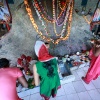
8, 78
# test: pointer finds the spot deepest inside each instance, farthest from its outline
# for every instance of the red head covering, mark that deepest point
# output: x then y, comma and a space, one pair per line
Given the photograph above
42, 52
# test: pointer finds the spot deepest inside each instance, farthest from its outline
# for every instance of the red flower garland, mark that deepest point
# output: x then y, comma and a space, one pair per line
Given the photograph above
24, 63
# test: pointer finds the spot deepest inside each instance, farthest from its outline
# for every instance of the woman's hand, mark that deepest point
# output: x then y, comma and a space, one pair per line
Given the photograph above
97, 48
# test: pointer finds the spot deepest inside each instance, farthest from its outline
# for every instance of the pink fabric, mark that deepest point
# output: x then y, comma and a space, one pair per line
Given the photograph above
91, 54
8, 77
94, 70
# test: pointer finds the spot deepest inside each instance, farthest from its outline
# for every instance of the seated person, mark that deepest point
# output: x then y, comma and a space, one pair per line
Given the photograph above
8, 78
45, 71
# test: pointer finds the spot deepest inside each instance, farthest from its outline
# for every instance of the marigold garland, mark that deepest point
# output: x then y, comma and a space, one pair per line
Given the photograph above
44, 17
65, 20
28, 9
87, 19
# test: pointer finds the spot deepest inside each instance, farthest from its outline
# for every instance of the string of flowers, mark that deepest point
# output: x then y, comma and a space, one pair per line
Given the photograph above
48, 39
41, 13
60, 19
59, 3
40, 18
54, 19
69, 26
60, 22
65, 20
87, 19
33, 21
62, 12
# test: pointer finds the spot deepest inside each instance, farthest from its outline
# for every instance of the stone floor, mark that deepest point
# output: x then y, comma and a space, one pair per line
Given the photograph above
76, 90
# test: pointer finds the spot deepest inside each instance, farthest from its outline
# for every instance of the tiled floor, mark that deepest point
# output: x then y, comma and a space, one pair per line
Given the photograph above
76, 90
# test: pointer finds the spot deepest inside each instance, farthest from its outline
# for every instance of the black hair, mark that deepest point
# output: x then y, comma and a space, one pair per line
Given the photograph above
46, 43
48, 66
4, 63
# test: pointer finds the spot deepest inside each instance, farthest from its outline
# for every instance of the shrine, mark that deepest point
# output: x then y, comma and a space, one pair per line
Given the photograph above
36, 36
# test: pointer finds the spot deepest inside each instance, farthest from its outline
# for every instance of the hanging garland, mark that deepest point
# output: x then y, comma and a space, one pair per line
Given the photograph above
69, 25
59, 20
40, 33
65, 20
40, 18
41, 11
54, 17
61, 3
61, 13
87, 19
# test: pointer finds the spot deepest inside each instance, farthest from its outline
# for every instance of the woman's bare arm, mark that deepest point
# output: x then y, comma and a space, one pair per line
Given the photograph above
36, 76
58, 68
23, 81
97, 51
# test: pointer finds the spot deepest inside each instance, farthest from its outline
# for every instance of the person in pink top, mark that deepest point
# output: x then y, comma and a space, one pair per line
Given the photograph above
94, 70
8, 78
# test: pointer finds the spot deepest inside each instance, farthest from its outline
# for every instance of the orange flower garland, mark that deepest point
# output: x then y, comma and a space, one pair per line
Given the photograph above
48, 39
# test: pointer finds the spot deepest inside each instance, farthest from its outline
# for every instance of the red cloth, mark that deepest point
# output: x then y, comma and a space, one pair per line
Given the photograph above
44, 54
94, 70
